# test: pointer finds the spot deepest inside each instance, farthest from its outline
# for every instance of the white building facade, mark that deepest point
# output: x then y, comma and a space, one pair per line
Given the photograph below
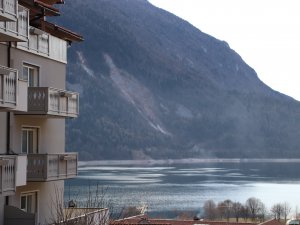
34, 104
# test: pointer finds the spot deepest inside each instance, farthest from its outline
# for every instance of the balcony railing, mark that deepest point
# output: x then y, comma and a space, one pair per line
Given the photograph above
44, 44
18, 30
47, 167
8, 87
7, 175
8, 10
52, 102
13, 91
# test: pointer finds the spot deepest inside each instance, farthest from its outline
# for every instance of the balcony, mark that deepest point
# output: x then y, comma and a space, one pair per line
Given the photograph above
46, 45
8, 10
48, 167
12, 90
18, 30
7, 175
52, 102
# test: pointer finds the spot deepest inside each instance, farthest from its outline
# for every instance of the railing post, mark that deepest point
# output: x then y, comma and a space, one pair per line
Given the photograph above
4, 88
46, 173
16, 9
2, 179
58, 166
59, 103
67, 105
47, 99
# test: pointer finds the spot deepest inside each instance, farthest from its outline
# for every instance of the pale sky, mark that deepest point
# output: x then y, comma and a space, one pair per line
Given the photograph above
265, 33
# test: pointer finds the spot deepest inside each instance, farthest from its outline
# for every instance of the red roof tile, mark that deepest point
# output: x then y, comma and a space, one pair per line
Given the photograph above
60, 32
271, 222
137, 221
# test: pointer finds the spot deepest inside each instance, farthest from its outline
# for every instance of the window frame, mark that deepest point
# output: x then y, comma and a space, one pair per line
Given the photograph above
34, 201
35, 135
34, 78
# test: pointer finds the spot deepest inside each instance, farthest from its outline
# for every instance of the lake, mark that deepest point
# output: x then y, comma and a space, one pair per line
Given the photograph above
170, 188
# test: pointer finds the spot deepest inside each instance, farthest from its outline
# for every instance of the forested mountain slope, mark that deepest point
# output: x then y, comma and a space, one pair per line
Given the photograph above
154, 86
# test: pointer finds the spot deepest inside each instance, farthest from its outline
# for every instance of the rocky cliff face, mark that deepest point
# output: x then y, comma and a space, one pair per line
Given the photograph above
154, 86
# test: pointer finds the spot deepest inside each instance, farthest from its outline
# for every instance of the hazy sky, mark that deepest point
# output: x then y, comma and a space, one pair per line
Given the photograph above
265, 33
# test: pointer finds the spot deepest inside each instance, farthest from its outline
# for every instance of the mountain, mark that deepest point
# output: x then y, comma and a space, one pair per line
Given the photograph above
154, 86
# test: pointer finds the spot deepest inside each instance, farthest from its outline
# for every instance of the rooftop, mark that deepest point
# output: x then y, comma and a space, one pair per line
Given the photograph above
145, 220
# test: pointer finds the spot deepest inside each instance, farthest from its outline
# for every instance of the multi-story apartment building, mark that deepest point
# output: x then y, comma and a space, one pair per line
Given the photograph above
34, 104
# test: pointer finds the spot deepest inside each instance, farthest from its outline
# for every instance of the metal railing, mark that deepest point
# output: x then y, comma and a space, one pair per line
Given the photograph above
44, 44
7, 175
8, 87
8, 9
47, 167
18, 30
52, 101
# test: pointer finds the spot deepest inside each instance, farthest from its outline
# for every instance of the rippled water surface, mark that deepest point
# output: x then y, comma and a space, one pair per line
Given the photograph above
186, 186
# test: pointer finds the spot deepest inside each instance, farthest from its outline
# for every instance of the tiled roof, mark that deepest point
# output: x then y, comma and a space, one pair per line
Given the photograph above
39, 7
140, 220
52, 2
60, 32
45, 5
271, 222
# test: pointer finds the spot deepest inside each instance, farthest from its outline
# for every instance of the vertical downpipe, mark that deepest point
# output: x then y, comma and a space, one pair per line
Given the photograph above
8, 113
8, 116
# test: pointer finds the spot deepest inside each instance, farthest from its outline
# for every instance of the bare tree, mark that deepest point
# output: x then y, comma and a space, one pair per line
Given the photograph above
262, 212
286, 210
210, 209
225, 209
221, 209
244, 213
256, 208
91, 211
237, 210
277, 210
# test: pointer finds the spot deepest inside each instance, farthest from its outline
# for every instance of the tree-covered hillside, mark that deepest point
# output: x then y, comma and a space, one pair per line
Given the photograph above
154, 86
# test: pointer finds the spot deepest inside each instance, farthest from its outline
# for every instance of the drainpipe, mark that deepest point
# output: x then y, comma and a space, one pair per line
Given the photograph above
8, 113
8, 116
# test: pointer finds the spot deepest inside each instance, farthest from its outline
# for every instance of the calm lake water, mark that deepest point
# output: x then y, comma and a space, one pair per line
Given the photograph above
185, 187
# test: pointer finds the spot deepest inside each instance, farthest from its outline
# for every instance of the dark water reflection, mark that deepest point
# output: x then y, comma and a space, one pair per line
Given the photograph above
187, 186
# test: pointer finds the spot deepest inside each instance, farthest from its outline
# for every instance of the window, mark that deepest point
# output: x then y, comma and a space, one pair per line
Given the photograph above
29, 140
31, 74
29, 202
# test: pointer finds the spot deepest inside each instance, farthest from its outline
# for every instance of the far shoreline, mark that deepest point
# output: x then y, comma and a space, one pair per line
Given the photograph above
150, 162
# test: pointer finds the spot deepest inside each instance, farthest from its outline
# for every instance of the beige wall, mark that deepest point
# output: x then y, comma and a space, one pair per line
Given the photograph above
51, 133
47, 192
52, 73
